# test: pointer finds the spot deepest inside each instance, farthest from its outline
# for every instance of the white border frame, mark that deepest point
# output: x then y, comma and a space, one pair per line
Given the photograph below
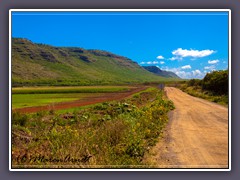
119, 10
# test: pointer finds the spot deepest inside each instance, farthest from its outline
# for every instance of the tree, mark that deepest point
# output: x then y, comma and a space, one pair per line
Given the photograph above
216, 82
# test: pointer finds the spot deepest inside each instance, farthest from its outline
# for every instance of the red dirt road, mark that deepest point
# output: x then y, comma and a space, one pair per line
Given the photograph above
83, 102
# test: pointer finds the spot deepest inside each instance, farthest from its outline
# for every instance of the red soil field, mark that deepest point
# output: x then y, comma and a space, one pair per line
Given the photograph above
82, 102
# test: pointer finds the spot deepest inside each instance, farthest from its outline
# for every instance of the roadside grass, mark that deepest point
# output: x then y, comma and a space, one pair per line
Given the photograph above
198, 92
113, 134
75, 109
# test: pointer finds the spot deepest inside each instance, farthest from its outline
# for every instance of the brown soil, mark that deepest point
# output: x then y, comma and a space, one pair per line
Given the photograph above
196, 136
83, 102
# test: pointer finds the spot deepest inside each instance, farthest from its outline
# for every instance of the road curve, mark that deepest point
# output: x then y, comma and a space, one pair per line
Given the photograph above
196, 136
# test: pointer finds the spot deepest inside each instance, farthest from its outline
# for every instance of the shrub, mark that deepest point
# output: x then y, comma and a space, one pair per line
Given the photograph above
19, 119
217, 82
194, 82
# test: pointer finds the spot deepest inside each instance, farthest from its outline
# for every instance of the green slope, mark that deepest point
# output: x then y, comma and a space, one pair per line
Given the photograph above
38, 64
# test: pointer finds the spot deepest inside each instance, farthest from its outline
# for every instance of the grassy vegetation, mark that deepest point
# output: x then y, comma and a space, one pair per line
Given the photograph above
114, 134
213, 87
72, 89
38, 64
198, 92
29, 100
38, 96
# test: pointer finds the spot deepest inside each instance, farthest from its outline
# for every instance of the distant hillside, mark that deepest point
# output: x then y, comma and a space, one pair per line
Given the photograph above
39, 64
159, 72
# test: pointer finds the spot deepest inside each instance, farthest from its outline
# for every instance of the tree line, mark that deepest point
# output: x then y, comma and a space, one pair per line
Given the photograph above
215, 81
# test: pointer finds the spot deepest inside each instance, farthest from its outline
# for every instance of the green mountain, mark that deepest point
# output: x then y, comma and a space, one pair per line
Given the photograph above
39, 64
159, 72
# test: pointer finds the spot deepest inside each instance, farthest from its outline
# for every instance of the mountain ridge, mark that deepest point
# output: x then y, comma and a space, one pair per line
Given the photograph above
40, 64
156, 70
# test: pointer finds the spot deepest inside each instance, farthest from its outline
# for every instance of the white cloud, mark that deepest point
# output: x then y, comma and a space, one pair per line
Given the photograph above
149, 62
196, 72
160, 57
171, 69
211, 68
181, 53
152, 62
186, 67
213, 61
175, 58
186, 74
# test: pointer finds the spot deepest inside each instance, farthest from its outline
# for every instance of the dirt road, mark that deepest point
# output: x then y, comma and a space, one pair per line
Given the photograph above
197, 134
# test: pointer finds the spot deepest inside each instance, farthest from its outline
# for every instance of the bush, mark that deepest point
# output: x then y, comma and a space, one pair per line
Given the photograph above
194, 82
19, 119
216, 82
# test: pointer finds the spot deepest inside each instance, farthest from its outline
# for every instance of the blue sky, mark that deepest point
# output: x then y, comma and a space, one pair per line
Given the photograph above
187, 43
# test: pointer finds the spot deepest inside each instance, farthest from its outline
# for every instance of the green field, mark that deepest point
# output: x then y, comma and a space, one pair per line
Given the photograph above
28, 100
71, 89
39, 96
